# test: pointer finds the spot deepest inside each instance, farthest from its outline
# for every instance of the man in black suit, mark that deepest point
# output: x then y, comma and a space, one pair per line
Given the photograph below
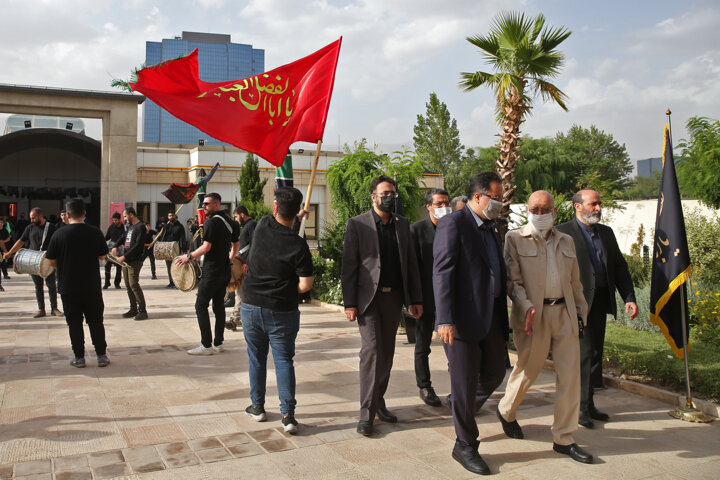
469, 282
437, 202
379, 275
602, 270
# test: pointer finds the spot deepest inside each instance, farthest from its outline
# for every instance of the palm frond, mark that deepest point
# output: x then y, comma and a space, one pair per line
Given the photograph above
548, 92
470, 81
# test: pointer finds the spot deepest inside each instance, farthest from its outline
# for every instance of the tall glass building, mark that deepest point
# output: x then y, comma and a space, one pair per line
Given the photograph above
219, 59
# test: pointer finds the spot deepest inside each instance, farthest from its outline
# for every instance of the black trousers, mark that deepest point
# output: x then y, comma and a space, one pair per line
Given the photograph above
151, 255
3, 267
40, 293
168, 265
211, 288
424, 328
108, 273
378, 328
477, 368
591, 348
91, 307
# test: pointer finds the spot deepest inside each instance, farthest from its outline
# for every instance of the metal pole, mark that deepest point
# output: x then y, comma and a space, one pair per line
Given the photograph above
688, 402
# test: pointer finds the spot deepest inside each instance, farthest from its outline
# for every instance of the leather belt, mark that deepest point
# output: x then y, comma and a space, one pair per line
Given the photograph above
385, 289
553, 301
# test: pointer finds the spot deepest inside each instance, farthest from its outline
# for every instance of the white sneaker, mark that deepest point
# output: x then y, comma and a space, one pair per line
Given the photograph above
218, 349
200, 351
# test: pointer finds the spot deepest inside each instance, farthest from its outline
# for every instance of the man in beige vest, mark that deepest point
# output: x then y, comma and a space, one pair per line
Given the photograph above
549, 311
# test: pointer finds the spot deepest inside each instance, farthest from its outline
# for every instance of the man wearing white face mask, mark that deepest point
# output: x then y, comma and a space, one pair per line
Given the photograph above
548, 311
437, 202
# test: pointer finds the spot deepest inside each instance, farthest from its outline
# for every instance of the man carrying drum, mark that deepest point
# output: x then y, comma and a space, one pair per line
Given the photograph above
220, 234
75, 251
173, 231
37, 237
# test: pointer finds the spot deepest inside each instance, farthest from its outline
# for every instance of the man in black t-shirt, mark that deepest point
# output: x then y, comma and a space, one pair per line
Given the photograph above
133, 257
220, 244
173, 231
74, 251
279, 267
247, 228
114, 238
37, 236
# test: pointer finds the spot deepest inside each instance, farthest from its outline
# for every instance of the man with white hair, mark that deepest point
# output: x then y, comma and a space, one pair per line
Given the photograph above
548, 312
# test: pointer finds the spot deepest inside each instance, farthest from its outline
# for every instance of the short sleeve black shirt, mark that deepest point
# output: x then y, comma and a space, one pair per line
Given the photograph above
76, 247
33, 234
135, 242
216, 231
278, 258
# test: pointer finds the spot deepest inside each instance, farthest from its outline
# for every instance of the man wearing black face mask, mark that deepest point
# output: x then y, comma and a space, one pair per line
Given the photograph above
379, 275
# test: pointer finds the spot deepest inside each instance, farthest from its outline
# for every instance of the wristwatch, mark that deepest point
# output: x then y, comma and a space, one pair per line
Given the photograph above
189, 256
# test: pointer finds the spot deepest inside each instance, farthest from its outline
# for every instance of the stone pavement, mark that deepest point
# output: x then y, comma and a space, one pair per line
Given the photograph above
158, 413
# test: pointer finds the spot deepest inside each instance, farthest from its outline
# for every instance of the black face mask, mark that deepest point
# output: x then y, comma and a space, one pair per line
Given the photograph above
387, 204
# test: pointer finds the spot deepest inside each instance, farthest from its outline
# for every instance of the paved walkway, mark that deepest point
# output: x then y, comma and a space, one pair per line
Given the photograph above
159, 413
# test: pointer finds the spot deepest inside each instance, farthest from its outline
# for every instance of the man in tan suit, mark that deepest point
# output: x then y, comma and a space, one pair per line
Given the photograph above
549, 311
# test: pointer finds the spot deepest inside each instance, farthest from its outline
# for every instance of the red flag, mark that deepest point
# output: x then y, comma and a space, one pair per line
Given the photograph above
263, 114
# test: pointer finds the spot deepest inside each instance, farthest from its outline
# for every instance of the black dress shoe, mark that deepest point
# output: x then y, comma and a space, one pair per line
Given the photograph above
596, 414
585, 420
386, 415
429, 396
106, 286
574, 451
471, 460
511, 429
365, 428
130, 313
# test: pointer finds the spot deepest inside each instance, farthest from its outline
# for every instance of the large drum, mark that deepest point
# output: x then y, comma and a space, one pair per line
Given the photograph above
237, 274
166, 250
186, 276
32, 262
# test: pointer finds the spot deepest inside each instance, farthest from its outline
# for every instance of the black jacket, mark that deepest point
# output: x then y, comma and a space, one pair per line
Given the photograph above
423, 235
617, 270
115, 236
174, 232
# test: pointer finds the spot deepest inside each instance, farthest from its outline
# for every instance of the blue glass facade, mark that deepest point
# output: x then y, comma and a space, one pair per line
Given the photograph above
219, 61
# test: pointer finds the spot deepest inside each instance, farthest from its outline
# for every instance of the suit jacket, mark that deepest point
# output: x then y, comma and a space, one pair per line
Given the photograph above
464, 296
360, 274
527, 266
617, 270
423, 235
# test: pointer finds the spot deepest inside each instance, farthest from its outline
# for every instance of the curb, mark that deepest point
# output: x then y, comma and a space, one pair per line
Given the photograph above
665, 396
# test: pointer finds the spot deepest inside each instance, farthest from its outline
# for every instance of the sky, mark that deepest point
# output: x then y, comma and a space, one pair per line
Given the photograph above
626, 62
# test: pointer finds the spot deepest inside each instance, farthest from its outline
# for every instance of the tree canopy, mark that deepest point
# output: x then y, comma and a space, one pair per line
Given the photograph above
437, 139
700, 160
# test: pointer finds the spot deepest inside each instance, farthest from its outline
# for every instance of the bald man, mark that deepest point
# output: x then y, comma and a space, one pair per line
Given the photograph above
548, 311
602, 270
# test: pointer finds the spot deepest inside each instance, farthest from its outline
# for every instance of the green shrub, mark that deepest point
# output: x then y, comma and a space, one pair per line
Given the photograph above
326, 286
639, 273
704, 306
642, 321
704, 248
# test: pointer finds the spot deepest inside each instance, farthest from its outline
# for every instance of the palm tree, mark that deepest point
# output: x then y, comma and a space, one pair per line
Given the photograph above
523, 53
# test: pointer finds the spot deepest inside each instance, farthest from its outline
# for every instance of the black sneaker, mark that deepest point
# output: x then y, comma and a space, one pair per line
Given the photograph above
130, 313
106, 286
256, 412
290, 425
78, 362
153, 277
103, 361
141, 316
118, 287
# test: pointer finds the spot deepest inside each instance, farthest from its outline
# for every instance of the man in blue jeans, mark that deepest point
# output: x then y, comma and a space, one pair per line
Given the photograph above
279, 267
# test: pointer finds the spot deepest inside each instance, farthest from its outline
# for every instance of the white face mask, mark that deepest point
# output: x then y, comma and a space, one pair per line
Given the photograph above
542, 223
440, 212
493, 209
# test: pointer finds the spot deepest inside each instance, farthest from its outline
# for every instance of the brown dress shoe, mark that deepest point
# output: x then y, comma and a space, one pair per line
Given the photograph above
39, 313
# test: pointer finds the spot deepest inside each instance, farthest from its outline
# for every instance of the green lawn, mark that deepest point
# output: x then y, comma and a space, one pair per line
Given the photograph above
647, 357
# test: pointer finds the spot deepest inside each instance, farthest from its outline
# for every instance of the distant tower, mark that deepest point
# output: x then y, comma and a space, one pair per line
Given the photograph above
219, 60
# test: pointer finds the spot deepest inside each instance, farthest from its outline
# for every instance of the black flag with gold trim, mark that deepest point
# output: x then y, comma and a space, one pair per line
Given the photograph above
671, 259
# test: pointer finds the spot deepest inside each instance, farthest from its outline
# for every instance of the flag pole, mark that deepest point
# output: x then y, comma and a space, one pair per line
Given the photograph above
687, 413
310, 187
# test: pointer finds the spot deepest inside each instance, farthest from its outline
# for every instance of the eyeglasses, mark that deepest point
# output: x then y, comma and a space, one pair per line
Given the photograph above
440, 204
492, 197
543, 211
388, 193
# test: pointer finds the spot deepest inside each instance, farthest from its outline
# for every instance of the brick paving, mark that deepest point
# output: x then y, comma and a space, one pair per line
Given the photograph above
158, 413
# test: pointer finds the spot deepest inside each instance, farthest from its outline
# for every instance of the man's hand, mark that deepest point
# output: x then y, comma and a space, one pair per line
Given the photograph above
447, 333
121, 259
114, 251
6, 255
631, 306
416, 310
529, 318
182, 260
351, 314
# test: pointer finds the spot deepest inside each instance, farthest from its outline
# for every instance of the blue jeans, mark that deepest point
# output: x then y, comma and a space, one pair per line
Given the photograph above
262, 328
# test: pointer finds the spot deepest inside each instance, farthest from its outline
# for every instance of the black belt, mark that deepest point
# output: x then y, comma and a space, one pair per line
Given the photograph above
553, 301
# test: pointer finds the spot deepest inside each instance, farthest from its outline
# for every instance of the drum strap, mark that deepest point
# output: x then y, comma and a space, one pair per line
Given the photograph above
47, 226
225, 222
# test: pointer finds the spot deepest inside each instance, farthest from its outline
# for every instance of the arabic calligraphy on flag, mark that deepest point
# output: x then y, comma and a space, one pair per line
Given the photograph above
263, 114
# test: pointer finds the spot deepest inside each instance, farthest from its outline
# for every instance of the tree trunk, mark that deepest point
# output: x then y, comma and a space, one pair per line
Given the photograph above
513, 116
